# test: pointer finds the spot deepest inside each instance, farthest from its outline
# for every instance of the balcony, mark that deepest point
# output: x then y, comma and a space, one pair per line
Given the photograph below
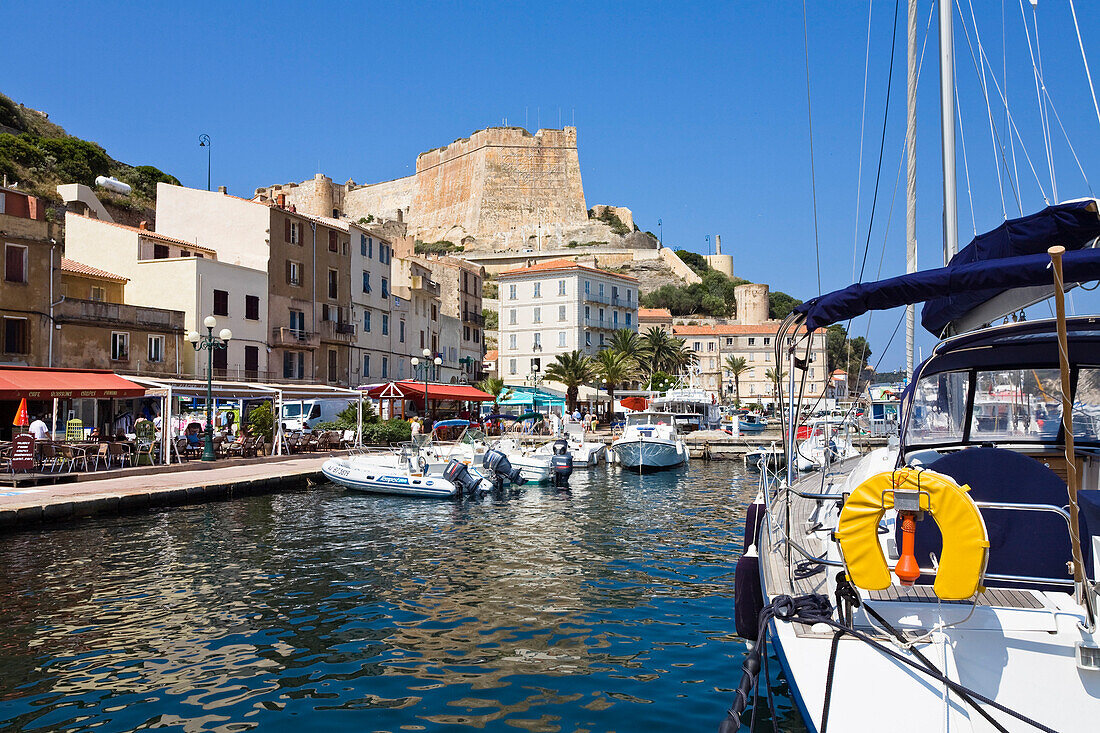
98, 313
425, 284
293, 338
473, 318
599, 323
339, 333
596, 298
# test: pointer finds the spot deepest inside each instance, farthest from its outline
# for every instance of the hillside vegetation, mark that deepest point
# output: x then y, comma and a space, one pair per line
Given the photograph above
39, 155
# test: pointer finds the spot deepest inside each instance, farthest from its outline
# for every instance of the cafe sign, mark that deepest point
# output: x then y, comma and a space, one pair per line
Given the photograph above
22, 452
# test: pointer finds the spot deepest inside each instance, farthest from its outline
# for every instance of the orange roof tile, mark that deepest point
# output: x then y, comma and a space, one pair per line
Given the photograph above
661, 313
150, 234
729, 329
553, 265
492, 355
79, 268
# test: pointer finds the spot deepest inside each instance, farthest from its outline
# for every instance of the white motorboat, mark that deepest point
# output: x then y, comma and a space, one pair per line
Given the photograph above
535, 467
827, 441
984, 619
405, 472
650, 443
694, 408
586, 454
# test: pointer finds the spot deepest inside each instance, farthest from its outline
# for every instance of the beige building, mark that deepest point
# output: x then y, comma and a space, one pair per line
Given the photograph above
371, 303
415, 319
166, 272
713, 343
556, 307
308, 266
460, 299
654, 318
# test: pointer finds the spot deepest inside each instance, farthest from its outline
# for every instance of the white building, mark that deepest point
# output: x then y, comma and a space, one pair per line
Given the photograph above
416, 320
556, 307
371, 303
171, 273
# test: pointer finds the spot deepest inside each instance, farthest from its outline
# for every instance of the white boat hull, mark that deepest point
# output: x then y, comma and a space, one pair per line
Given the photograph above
654, 455
377, 478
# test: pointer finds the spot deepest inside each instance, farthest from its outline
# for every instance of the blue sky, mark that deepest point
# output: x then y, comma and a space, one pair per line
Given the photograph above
694, 113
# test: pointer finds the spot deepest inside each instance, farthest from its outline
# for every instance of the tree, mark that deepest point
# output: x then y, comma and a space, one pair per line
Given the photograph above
626, 342
736, 365
684, 357
571, 369
775, 376
693, 260
851, 355
780, 304
658, 350
492, 319
615, 368
495, 387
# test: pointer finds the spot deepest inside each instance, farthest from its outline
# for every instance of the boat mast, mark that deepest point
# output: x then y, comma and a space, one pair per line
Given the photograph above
911, 175
947, 131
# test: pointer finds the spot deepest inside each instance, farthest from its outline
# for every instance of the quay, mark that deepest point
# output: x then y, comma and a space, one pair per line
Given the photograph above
143, 488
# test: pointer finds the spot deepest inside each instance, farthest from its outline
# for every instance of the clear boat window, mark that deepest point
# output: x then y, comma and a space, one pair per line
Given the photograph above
1016, 404
939, 408
1086, 405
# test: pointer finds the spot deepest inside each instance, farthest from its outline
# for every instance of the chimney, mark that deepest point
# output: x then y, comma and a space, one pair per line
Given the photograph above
221, 189
280, 200
717, 244
143, 226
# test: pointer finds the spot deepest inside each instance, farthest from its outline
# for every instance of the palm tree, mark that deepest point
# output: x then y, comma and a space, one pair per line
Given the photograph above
615, 368
658, 351
495, 387
775, 376
572, 370
626, 342
682, 357
736, 365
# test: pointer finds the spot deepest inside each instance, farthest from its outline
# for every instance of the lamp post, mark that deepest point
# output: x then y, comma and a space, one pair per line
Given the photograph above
204, 142
661, 229
209, 342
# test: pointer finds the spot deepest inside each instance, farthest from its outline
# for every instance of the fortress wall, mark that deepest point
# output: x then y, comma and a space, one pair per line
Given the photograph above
383, 200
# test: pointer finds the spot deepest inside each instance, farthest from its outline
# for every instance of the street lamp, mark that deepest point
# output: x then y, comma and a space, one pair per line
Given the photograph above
661, 229
204, 142
209, 342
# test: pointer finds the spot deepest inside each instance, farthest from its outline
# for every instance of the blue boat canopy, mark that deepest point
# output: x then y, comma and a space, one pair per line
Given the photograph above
451, 424
1011, 256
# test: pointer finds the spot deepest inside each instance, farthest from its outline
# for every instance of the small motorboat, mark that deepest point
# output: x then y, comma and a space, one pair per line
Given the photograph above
586, 454
404, 472
752, 424
650, 443
536, 468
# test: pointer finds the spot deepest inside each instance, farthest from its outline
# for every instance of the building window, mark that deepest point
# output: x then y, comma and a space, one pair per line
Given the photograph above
298, 322
614, 292
366, 364
363, 245
752, 341
292, 232
160, 251
294, 365
511, 292
366, 321
120, 346
628, 320
99, 294
435, 313
697, 346
385, 324
561, 312
729, 342
252, 361
587, 287
538, 341
601, 338
252, 307
601, 316
615, 319
332, 246
512, 317
587, 313
767, 340
512, 341
601, 290
561, 287
561, 339
465, 333
332, 365
587, 338
538, 290
511, 366
710, 346
401, 332
221, 360
15, 263
293, 272
221, 302
333, 284
538, 315
156, 349
385, 359
16, 336
366, 281
385, 288
628, 296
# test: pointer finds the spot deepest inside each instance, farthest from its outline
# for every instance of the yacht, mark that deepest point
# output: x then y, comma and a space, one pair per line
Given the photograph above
650, 443
694, 408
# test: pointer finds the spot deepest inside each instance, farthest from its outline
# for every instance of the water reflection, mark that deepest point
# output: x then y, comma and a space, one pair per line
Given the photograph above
605, 607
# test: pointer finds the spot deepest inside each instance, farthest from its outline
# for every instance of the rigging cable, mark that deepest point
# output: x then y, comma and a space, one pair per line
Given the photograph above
862, 128
1088, 73
810, 122
1038, 99
1004, 76
993, 139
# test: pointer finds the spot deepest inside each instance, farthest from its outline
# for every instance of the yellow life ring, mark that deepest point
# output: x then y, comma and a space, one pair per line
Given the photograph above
965, 541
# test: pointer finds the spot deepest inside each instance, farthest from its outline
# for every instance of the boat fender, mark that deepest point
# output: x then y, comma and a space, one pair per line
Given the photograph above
748, 595
754, 517
912, 491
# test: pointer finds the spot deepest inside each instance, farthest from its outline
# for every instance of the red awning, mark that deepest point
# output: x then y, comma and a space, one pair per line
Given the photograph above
45, 384
436, 392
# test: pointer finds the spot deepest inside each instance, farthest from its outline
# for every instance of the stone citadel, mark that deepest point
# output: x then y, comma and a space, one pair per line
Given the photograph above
501, 189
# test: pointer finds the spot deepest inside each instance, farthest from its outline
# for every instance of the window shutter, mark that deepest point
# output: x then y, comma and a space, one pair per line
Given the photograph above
286, 230
331, 241
288, 271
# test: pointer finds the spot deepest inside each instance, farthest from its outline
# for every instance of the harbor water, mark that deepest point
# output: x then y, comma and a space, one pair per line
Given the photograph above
605, 607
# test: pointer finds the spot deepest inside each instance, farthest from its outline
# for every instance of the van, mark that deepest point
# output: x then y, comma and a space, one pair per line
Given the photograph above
314, 411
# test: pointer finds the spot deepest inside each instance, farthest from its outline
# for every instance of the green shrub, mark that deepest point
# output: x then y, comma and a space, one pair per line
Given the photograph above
442, 247
78, 161
144, 179
492, 319
9, 114
388, 432
261, 421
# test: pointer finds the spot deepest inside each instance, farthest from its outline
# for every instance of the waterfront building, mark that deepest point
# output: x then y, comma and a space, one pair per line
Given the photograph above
460, 298
416, 318
556, 307
308, 267
654, 318
30, 252
178, 275
713, 343
371, 302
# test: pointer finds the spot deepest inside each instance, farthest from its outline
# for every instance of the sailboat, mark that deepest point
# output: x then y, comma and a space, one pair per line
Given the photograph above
947, 583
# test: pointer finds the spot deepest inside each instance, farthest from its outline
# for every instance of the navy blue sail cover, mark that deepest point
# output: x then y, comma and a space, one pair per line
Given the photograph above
1011, 256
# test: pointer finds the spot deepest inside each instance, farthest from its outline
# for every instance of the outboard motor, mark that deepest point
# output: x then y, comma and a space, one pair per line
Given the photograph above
457, 473
496, 463
561, 469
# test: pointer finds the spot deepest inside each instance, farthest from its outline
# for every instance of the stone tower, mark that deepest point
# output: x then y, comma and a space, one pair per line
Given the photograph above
752, 303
